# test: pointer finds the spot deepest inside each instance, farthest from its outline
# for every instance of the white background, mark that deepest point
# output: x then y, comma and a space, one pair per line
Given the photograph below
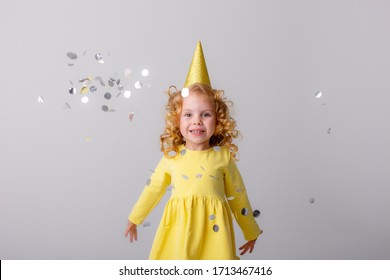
70, 174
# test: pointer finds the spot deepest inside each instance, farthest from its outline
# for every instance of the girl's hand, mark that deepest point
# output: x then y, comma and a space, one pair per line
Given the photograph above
132, 230
250, 245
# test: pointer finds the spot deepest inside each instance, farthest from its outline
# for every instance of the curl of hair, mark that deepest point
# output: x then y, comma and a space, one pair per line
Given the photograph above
224, 133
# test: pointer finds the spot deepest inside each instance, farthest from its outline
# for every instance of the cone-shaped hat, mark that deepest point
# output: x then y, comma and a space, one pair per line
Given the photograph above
198, 70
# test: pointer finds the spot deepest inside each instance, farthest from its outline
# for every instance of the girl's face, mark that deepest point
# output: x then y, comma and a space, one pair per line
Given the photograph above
197, 121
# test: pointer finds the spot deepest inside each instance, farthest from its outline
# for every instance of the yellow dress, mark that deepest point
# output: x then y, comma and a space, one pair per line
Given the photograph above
197, 221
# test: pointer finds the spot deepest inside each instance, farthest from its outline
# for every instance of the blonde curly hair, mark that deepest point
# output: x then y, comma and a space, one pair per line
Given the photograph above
224, 132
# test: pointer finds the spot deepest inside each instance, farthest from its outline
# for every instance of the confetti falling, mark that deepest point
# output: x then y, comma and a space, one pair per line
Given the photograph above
145, 72
40, 99
215, 228
99, 85
311, 200
256, 213
318, 94
185, 92
244, 211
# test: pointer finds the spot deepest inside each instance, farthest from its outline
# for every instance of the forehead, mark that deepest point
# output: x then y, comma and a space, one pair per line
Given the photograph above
197, 100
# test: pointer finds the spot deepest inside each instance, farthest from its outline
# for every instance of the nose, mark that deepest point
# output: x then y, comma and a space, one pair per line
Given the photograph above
197, 120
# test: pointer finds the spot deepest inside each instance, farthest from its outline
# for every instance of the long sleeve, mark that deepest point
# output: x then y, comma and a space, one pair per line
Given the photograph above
239, 203
153, 192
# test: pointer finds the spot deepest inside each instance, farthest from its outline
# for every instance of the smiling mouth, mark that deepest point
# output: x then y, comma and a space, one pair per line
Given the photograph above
196, 131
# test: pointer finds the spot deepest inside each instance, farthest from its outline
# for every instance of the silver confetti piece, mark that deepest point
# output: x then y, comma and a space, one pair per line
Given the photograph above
185, 92
183, 152
256, 213
99, 57
67, 106
212, 176
230, 198
146, 224
312, 200
105, 108
172, 153
131, 116
121, 87
185, 177
40, 99
215, 228
107, 95
100, 80
329, 129
127, 73
318, 94
148, 182
111, 83
198, 176
127, 93
202, 168
217, 148
93, 89
72, 90
212, 217
244, 211
71, 55
138, 85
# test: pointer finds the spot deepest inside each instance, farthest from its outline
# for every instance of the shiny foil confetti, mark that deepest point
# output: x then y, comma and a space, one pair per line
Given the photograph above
84, 99
230, 198
212, 217
148, 182
202, 168
198, 176
105, 108
212, 176
100, 80
71, 55
93, 89
127, 93
72, 90
172, 153
256, 213
217, 148
107, 95
238, 189
146, 224
329, 129
185, 177
185, 92
99, 57
244, 211
40, 99
127, 73
67, 106
318, 94
215, 228
145, 72
138, 85
84, 90
312, 200
131, 116
183, 152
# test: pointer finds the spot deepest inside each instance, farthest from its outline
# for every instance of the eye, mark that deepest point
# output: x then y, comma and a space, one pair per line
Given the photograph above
187, 115
207, 115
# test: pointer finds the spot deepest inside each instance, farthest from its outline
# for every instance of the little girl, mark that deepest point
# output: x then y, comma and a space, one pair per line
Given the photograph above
199, 165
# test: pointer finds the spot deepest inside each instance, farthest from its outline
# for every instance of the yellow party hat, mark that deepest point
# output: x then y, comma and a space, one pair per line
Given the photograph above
198, 69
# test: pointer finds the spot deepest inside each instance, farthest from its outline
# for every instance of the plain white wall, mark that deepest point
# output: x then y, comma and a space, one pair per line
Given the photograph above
64, 197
